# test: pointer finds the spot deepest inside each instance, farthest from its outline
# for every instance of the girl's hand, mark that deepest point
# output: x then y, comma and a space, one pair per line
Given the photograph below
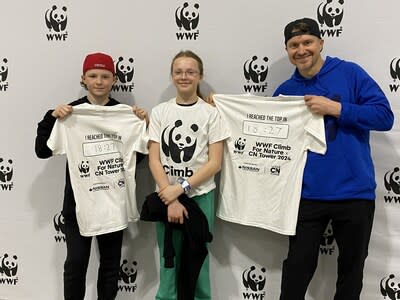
177, 212
170, 193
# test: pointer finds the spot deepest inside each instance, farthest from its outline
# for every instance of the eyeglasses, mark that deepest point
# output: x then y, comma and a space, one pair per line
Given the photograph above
188, 73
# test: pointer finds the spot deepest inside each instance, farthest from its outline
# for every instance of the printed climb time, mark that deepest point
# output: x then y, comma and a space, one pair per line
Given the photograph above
279, 131
101, 147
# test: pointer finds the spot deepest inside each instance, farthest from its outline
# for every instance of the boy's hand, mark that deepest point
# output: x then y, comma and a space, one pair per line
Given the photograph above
62, 111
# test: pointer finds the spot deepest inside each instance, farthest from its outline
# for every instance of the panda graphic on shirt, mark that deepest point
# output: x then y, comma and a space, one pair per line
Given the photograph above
179, 141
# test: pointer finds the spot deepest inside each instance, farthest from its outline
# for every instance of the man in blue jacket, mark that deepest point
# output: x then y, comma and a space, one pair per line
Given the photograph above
340, 185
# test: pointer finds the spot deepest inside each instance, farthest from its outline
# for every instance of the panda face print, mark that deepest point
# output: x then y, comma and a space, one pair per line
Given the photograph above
334, 9
179, 142
184, 139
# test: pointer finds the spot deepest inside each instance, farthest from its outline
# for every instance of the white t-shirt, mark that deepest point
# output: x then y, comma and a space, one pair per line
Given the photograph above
264, 159
101, 144
184, 133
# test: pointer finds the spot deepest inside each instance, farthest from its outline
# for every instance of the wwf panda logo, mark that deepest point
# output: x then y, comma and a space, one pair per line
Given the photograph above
6, 170
56, 19
327, 237
58, 221
83, 167
9, 265
128, 272
4, 70
390, 287
395, 68
187, 16
124, 69
330, 13
179, 142
254, 278
256, 69
240, 144
392, 181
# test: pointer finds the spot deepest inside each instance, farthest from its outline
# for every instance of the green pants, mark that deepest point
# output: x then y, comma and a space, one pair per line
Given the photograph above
168, 276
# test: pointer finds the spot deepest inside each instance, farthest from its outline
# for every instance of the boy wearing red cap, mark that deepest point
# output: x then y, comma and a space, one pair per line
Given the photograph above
98, 78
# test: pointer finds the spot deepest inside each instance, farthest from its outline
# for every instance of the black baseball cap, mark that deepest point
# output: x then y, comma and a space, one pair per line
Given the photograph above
300, 27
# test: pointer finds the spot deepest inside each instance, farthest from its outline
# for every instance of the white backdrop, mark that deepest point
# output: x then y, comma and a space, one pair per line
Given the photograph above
40, 67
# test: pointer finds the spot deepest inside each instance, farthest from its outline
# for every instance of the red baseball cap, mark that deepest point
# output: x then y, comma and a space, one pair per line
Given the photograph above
98, 61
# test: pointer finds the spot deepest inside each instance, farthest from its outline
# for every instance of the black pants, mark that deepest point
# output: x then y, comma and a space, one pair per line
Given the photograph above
351, 223
76, 263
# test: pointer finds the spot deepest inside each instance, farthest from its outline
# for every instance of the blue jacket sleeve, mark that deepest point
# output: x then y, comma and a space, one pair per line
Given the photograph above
370, 109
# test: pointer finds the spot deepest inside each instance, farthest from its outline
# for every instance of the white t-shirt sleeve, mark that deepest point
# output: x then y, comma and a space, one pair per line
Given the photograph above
155, 125
316, 134
57, 141
142, 139
218, 130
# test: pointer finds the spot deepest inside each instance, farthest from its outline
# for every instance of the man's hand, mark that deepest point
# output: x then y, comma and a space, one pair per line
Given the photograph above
323, 106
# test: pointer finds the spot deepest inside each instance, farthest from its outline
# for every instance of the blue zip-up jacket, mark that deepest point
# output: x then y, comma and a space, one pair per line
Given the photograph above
346, 171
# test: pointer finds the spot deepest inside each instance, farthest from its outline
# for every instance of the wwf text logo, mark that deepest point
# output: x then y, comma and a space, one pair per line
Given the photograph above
124, 70
187, 18
255, 72
8, 269
127, 276
6, 174
56, 22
